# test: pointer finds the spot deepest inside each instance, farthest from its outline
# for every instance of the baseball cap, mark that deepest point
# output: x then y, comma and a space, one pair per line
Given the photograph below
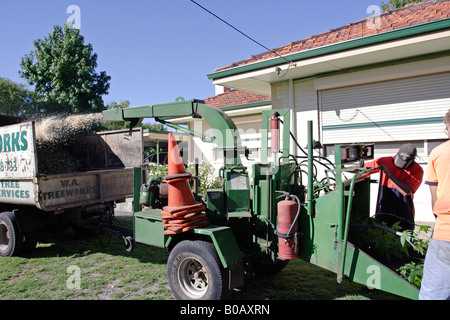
405, 155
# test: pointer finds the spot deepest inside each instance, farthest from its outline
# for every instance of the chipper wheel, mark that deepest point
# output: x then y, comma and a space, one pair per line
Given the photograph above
195, 272
11, 240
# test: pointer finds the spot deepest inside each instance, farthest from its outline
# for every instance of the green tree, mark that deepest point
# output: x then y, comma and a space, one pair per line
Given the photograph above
116, 125
153, 126
396, 4
62, 70
15, 99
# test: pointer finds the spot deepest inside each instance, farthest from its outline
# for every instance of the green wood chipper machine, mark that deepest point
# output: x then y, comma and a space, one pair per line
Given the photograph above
264, 215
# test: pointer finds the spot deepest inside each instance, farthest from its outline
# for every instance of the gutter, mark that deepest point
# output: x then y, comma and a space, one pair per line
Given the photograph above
228, 108
406, 32
247, 105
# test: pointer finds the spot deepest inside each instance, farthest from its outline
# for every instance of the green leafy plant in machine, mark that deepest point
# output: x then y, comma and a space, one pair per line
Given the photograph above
404, 248
419, 242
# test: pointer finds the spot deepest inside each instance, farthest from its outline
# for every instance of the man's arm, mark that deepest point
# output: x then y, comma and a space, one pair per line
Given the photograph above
402, 187
433, 191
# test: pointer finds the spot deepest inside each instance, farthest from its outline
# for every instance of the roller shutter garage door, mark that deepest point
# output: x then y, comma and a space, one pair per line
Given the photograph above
398, 110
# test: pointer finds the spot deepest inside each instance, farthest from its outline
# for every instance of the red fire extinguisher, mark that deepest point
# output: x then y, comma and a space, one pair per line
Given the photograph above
275, 132
287, 214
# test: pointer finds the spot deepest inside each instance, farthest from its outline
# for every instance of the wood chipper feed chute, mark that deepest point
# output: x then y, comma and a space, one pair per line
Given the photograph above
327, 239
332, 207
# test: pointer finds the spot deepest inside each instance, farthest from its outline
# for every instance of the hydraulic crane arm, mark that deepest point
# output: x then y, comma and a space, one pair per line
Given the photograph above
225, 133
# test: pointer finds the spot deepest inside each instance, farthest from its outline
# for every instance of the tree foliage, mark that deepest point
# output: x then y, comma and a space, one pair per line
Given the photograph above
116, 125
396, 4
15, 99
62, 70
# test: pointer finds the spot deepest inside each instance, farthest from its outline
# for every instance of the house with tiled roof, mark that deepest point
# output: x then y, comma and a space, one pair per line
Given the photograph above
384, 79
231, 99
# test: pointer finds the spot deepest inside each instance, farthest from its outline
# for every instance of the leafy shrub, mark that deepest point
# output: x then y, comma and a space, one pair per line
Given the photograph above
384, 242
412, 272
206, 174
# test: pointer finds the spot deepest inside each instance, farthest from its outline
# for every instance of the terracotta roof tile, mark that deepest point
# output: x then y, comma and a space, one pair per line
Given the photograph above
235, 98
413, 14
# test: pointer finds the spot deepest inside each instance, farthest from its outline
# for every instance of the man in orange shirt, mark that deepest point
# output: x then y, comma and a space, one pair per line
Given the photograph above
436, 275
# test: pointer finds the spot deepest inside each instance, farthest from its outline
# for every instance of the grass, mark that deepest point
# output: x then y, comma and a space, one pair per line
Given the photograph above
106, 273
111, 273
300, 280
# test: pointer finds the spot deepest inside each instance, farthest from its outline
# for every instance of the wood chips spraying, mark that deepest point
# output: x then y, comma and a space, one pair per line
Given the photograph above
60, 130
56, 139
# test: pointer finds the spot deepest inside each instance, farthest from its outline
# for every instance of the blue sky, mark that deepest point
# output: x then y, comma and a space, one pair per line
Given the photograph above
156, 51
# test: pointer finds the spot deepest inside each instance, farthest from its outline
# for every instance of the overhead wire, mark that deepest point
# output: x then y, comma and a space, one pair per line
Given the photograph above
241, 32
278, 70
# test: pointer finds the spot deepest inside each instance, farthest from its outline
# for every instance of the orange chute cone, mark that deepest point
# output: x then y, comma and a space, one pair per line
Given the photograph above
175, 163
180, 194
180, 197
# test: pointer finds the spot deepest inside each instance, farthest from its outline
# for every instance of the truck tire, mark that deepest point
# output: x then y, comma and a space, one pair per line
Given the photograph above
195, 272
11, 240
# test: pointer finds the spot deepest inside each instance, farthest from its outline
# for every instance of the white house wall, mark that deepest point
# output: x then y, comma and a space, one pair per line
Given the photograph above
386, 111
305, 104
